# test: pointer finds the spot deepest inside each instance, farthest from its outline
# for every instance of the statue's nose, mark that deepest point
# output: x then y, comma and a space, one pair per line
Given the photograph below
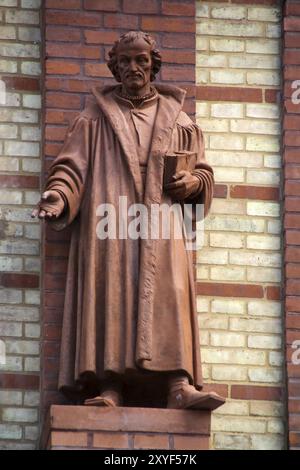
133, 65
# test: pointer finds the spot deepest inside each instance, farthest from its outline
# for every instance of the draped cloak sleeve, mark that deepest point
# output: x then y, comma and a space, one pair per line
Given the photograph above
68, 172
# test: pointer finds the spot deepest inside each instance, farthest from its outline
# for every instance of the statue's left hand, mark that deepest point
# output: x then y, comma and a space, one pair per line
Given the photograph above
184, 185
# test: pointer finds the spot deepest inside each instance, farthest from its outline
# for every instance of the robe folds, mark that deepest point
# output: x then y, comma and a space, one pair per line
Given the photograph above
129, 303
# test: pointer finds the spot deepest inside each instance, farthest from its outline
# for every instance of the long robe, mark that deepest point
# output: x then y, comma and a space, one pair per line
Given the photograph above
129, 304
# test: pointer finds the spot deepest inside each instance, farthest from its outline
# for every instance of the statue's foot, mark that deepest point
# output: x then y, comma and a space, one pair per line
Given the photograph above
187, 397
110, 398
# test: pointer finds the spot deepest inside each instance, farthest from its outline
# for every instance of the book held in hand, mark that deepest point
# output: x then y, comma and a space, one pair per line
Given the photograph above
177, 161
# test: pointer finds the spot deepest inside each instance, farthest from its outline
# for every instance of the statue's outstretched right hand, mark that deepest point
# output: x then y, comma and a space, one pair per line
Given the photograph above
50, 206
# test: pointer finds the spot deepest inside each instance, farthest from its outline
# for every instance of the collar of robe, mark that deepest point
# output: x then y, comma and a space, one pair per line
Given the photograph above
136, 102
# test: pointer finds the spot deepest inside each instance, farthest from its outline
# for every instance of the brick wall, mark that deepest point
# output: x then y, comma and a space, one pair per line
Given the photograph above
291, 142
239, 269
20, 235
77, 43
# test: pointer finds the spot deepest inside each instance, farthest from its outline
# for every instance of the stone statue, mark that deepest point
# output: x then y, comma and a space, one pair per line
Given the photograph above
130, 307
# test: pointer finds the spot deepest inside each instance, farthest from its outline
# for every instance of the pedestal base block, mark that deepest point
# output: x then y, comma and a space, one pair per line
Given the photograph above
87, 427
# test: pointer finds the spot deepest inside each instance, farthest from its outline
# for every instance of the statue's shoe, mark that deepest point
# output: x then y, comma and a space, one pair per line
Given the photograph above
187, 397
108, 398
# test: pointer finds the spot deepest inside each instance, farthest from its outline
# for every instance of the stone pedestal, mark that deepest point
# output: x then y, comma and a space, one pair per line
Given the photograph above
84, 427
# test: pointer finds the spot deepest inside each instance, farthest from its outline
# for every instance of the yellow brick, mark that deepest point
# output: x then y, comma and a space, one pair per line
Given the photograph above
227, 240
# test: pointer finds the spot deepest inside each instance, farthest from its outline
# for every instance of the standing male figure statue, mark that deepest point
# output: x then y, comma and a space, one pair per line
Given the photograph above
130, 305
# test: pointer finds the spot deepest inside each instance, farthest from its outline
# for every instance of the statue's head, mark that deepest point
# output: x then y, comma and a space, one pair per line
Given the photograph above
134, 60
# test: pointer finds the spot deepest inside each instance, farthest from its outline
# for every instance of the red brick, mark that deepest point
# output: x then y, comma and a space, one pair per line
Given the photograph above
291, 57
273, 293
78, 52
292, 188
293, 371
121, 21
51, 365
58, 4
19, 381
292, 321
292, 236
221, 389
290, 107
291, 24
220, 190
55, 133
292, 9
51, 348
140, 6
272, 96
292, 138
52, 332
229, 290
292, 221
71, 85
59, 117
293, 304
179, 41
19, 280
56, 249
178, 57
178, 74
294, 421
151, 441
62, 34
292, 171
21, 83
291, 40
291, 155
69, 439
294, 406
54, 282
50, 383
254, 392
51, 150
54, 300
186, 442
55, 265
100, 37
52, 315
292, 287
110, 440
291, 122
62, 67
74, 19
53, 235
172, 25
291, 72
178, 8
189, 107
62, 100
97, 70
239, 94
254, 192
294, 390
19, 181
103, 5
294, 437
292, 270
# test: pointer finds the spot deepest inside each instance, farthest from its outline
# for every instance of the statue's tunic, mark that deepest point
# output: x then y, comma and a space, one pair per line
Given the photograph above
129, 304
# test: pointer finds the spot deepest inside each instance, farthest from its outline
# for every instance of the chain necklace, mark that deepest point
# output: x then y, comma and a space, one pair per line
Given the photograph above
138, 98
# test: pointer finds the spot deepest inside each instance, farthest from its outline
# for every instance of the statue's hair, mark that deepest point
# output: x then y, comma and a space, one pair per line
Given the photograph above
127, 38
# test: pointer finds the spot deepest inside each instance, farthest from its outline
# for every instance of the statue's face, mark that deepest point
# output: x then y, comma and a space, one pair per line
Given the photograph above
134, 64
